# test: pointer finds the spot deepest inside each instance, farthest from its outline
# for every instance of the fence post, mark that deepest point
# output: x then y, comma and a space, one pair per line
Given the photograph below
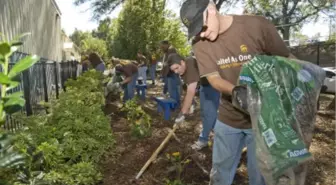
76, 69
62, 75
45, 86
26, 91
56, 79
71, 69
318, 54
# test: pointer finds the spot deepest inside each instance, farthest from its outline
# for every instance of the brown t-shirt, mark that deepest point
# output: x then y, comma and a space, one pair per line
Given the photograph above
129, 69
153, 60
165, 69
191, 74
247, 36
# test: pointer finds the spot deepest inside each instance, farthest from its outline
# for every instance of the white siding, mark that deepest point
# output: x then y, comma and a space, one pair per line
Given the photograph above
39, 17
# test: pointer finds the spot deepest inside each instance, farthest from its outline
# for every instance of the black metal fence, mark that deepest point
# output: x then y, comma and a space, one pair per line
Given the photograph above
41, 83
320, 53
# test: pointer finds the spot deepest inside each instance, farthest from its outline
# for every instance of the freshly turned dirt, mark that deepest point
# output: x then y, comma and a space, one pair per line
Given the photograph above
130, 154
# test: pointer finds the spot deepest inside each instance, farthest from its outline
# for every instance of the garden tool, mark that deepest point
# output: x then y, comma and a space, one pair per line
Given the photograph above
157, 151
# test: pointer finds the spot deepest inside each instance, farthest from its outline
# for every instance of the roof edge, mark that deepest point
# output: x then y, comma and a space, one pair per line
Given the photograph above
56, 6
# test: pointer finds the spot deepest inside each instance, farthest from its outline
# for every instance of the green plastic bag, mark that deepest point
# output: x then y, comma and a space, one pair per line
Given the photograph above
282, 102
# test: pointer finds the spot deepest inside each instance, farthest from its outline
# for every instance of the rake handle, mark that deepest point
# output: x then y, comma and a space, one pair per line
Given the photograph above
157, 151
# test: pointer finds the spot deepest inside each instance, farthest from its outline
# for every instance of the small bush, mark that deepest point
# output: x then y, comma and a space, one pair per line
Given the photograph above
139, 120
66, 146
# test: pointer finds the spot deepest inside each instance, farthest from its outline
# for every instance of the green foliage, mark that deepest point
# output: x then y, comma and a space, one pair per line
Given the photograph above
105, 7
100, 7
92, 44
82, 173
65, 146
77, 36
88, 44
332, 38
290, 14
9, 103
140, 121
105, 29
141, 25
178, 165
10, 158
300, 38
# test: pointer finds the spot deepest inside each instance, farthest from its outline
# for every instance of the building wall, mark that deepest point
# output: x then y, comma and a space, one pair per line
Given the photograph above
41, 18
70, 50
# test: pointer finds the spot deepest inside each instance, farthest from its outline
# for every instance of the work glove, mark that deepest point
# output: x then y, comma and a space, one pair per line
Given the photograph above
180, 118
239, 98
120, 86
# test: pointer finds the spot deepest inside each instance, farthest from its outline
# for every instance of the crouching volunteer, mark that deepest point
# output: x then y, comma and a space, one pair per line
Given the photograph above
209, 97
130, 73
172, 80
97, 62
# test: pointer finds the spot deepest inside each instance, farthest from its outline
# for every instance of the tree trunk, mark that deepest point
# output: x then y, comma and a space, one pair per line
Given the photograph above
286, 34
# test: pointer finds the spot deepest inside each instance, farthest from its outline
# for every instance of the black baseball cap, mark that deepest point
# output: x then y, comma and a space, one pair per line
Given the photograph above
191, 14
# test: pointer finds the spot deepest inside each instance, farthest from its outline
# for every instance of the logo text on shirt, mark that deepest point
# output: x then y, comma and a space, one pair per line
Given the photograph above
233, 61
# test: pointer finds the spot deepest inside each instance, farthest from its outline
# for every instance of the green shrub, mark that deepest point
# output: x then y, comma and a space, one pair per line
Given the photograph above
10, 159
139, 120
83, 173
65, 146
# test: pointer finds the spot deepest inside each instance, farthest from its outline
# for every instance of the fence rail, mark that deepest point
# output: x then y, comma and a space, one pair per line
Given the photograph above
40, 83
319, 53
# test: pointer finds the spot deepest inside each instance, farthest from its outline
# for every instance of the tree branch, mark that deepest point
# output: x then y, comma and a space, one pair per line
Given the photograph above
306, 16
291, 11
219, 4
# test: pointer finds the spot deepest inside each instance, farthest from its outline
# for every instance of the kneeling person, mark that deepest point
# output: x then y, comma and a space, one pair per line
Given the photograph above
130, 73
209, 97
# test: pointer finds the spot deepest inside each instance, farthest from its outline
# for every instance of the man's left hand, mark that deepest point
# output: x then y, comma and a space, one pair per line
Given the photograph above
239, 98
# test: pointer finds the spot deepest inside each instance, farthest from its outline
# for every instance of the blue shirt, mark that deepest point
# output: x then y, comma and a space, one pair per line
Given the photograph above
100, 67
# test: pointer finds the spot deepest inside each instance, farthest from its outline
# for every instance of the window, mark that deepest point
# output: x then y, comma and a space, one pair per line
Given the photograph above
330, 74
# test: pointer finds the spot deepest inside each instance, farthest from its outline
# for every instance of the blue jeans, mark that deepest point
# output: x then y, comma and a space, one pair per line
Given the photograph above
129, 89
209, 98
174, 87
152, 72
143, 73
227, 148
165, 85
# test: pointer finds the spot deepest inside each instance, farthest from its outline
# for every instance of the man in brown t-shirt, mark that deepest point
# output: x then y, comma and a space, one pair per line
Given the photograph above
171, 80
209, 97
130, 73
226, 42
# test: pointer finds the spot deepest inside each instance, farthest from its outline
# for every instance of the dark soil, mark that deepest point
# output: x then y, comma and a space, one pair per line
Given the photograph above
130, 154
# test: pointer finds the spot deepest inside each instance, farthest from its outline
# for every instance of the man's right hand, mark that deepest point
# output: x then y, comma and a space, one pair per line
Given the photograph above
180, 118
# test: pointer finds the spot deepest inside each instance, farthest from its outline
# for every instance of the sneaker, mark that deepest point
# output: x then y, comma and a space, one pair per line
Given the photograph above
198, 145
